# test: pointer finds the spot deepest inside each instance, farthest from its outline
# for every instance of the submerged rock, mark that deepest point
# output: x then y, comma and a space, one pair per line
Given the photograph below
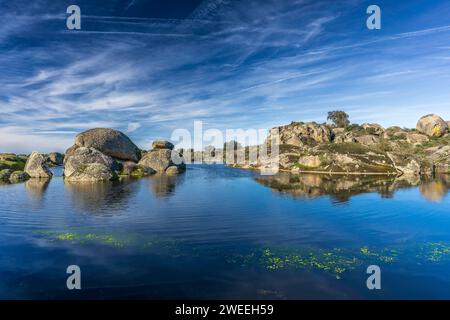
432, 125
110, 142
36, 166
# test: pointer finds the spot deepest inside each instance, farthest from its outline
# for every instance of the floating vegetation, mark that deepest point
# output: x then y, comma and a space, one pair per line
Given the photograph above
434, 252
334, 261
86, 238
154, 244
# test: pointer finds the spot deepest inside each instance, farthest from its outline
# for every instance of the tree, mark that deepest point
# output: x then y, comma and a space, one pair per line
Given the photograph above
339, 118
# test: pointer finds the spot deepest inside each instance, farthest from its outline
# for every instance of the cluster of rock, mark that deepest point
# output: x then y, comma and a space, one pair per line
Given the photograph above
97, 155
365, 149
105, 154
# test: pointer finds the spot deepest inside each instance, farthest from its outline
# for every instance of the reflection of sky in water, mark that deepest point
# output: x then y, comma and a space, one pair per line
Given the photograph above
174, 236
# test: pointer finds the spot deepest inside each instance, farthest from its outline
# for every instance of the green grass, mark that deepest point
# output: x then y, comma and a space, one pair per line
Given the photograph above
344, 148
13, 165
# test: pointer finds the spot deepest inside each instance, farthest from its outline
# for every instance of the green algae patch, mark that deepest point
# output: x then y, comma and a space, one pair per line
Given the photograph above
151, 245
434, 252
86, 238
334, 262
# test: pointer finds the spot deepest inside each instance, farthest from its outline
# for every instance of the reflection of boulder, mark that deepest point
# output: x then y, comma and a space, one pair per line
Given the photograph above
341, 188
101, 196
37, 187
163, 185
434, 190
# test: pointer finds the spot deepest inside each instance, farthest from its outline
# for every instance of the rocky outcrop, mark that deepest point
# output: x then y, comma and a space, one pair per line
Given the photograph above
92, 172
36, 166
373, 128
367, 139
416, 138
5, 174
432, 125
404, 164
301, 134
131, 169
172, 170
83, 156
56, 158
440, 156
109, 142
18, 176
310, 161
160, 160
162, 144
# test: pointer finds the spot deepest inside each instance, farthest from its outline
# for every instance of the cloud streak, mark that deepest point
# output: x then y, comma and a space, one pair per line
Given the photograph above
233, 64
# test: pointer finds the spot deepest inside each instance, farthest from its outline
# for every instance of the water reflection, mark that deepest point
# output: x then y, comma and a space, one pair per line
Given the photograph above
435, 190
36, 187
104, 197
101, 196
342, 188
163, 186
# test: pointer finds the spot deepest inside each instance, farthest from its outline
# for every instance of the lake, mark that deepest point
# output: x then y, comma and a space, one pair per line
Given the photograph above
223, 233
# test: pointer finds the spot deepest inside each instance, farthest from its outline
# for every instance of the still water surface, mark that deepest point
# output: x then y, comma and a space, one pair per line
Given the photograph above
218, 232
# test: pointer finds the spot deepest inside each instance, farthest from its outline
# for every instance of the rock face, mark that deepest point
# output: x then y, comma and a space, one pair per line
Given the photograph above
110, 142
5, 174
56, 158
83, 156
134, 170
373, 128
36, 166
432, 125
172, 170
416, 138
299, 134
162, 144
161, 159
310, 161
367, 139
441, 158
92, 172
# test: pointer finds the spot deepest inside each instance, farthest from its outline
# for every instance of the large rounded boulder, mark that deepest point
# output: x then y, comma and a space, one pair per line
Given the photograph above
36, 166
84, 156
110, 142
432, 125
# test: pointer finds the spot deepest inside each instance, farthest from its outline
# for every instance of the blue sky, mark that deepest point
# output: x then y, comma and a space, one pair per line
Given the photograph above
148, 67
